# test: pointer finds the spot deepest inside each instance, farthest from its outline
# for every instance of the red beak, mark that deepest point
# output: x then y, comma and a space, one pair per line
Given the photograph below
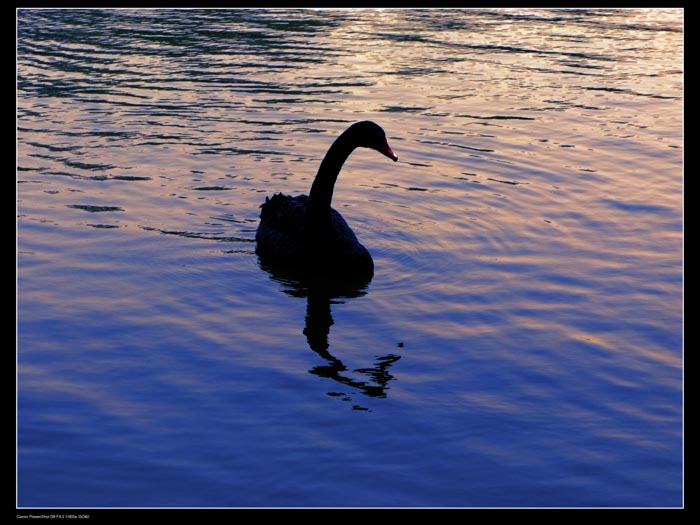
386, 150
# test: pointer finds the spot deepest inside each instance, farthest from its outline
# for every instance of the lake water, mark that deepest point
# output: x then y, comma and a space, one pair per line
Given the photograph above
520, 343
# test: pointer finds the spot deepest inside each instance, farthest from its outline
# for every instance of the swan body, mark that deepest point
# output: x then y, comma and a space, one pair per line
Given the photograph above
305, 232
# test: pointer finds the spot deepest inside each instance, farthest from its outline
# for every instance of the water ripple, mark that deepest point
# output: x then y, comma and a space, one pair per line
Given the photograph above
525, 318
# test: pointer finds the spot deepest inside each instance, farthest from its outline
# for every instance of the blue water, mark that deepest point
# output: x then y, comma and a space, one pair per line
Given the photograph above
520, 343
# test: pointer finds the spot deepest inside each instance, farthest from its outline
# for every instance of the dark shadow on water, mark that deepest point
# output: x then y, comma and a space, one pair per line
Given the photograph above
321, 292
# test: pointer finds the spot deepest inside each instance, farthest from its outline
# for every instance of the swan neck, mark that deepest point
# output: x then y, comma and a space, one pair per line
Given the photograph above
321, 193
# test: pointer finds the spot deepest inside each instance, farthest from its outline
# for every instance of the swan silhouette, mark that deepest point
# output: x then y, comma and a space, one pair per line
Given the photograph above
304, 232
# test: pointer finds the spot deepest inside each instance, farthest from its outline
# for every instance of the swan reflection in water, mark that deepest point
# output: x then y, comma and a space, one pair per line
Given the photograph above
320, 293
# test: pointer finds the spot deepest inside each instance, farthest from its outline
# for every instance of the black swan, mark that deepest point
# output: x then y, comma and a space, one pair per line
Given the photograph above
304, 231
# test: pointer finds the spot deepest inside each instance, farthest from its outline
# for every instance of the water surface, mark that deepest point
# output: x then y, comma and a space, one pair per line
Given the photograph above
520, 343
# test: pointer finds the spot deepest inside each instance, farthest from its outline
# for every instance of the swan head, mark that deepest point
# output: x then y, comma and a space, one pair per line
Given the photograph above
370, 135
